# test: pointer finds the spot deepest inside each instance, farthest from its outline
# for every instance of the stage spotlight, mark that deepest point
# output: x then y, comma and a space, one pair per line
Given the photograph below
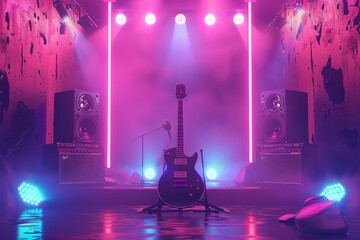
84, 22
298, 4
298, 7
150, 18
149, 173
239, 19
120, 19
210, 19
180, 19
30, 194
61, 10
334, 192
211, 174
300, 11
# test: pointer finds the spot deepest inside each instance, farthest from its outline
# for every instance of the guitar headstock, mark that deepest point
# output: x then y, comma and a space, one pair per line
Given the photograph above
180, 91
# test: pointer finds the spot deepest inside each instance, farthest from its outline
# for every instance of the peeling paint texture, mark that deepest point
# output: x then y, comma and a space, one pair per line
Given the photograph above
299, 31
29, 46
42, 35
327, 68
4, 94
346, 7
318, 28
333, 82
7, 20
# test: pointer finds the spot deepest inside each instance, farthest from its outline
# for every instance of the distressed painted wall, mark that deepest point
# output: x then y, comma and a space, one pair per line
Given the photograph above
37, 61
318, 53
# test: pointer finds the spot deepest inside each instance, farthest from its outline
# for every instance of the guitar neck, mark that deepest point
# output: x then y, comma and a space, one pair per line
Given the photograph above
180, 131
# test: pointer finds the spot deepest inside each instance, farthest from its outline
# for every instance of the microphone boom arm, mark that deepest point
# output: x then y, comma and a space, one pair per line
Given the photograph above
166, 125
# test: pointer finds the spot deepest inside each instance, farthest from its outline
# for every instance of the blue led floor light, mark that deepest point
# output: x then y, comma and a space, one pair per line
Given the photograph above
334, 192
30, 194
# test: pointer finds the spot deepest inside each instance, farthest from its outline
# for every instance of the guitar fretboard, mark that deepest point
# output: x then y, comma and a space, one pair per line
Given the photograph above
180, 131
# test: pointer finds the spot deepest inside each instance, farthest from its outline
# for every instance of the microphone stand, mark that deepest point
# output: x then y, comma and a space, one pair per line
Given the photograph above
142, 183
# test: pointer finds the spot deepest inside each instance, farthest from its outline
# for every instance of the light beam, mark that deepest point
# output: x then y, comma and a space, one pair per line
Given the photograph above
108, 135
250, 81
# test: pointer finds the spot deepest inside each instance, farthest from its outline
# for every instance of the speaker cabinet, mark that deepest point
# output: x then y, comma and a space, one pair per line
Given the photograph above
290, 163
81, 163
76, 117
284, 116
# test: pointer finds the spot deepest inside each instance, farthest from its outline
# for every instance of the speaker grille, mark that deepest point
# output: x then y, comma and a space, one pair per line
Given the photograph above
273, 129
81, 163
87, 129
274, 103
279, 168
290, 163
86, 102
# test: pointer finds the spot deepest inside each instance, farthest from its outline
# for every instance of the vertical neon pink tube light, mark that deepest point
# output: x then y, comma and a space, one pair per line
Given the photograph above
108, 132
250, 81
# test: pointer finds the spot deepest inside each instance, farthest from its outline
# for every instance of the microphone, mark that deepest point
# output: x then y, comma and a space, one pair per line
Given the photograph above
167, 126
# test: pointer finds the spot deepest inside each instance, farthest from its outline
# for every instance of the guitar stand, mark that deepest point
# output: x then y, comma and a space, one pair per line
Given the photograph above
209, 208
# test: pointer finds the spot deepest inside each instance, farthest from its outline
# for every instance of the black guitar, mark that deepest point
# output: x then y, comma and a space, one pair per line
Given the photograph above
180, 186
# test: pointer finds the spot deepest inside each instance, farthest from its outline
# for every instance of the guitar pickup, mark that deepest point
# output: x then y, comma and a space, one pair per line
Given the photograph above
180, 180
179, 185
180, 161
180, 174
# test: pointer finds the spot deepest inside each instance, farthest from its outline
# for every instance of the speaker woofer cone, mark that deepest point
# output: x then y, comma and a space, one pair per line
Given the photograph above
273, 130
86, 103
274, 103
87, 129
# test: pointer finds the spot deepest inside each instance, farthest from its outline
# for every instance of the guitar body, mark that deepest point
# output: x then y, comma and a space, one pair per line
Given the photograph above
180, 186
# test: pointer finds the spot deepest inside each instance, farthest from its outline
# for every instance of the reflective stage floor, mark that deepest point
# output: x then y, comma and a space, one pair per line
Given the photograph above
111, 212
123, 222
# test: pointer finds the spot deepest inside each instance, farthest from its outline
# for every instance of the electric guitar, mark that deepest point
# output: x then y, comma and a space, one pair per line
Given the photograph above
180, 186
